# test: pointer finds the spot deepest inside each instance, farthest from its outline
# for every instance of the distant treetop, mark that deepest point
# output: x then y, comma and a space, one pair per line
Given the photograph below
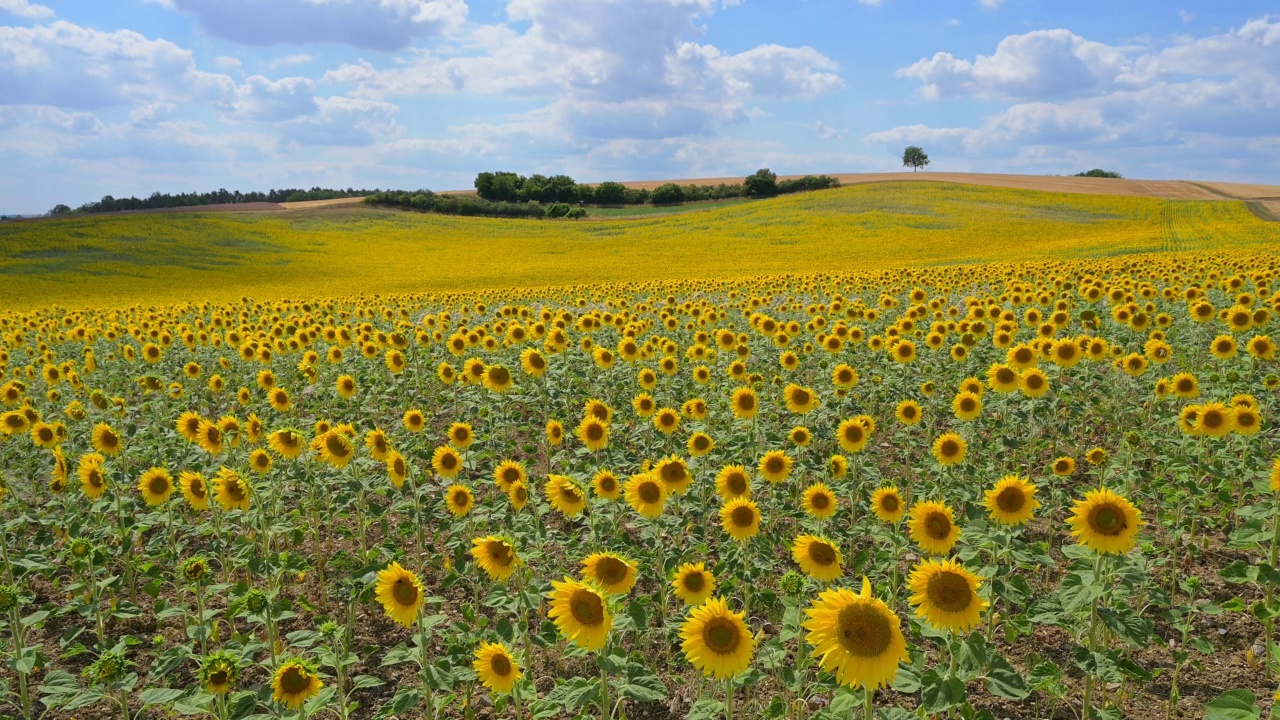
1100, 173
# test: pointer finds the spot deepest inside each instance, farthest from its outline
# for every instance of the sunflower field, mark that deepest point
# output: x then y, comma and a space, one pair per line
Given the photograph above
1041, 489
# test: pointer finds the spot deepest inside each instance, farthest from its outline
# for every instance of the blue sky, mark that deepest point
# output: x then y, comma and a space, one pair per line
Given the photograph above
125, 97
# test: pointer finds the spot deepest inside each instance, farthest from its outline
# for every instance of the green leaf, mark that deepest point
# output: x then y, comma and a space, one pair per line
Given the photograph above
706, 709
1127, 624
159, 696
1003, 680
940, 693
1239, 572
366, 681
1233, 705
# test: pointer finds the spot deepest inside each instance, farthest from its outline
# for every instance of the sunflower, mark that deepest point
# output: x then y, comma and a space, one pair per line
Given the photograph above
693, 583
1034, 382
819, 501
643, 405
286, 442
1247, 421
334, 448
1003, 378
1187, 419
716, 640
800, 436
260, 461
518, 495
932, 526
1262, 347
496, 668
855, 636
195, 489
1223, 347
950, 449
533, 363
887, 504
43, 435
700, 444
580, 612
497, 378
1105, 521
414, 421
594, 433
345, 386
799, 399
1064, 466
58, 475
612, 573
93, 478
606, 486
400, 592
775, 466
459, 500
565, 495
279, 400
495, 555
156, 486
188, 425
908, 412
1215, 420
744, 402
838, 465
509, 473
219, 671
231, 490
1185, 386
819, 558
397, 469
946, 595
967, 406
740, 517
106, 440
461, 435
14, 422
674, 474
210, 437
1012, 500
295, 681
666, 420
1274, 478
1096, 456
646, 494
446, 462
376, 442
555, 432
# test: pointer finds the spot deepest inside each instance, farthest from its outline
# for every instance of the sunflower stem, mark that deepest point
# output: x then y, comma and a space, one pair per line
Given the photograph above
1271, 587
604, 692
728, 699
867, 712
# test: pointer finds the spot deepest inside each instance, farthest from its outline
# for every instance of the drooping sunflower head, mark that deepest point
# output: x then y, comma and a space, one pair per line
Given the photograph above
1105, 521
565, 495
1012, 500
932, 527
219, 671
945, 595
716, 640
612, 573
693, 583
887, 504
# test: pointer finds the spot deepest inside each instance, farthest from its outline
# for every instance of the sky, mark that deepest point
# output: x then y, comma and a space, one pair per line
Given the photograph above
127, 97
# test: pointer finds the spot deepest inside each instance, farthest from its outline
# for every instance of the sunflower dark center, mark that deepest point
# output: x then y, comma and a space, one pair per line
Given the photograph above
337, 446
595, 431
694, 582
774, 465
159, 485
820, 501
295, 680
938, 526
500, 665
404, 591
822, 553
890, 503
743, 516
863, 632
950, 448
1011, 500
949, 591
500, 553
800, 397
737, 483
1107, 520
721, 636
611, 570
586, 608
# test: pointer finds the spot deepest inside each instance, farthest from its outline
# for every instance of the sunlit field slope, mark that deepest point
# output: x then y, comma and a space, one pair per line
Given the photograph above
165, 258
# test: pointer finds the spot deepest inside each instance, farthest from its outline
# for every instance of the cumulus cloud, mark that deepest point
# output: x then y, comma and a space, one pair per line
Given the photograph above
383, 25
1072, 95
69, 66
264, 100
26, 9
611, 68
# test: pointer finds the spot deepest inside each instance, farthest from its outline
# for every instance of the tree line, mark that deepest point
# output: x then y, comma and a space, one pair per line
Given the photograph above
509, 187
222, 196
427, 201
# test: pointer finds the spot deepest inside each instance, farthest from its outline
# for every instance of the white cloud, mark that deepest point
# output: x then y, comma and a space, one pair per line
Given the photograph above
226, 62
1077, 99
990, 4
69, 66
384, 25
26, 9
263, 100
298, 59
826, 132
1186, 16
610, 68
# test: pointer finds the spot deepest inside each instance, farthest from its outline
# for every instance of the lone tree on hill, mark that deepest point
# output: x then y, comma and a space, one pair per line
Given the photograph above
915, 157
